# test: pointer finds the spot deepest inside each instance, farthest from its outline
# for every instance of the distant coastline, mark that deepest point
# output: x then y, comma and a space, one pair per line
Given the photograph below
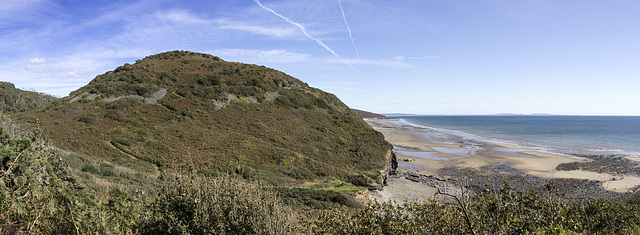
393, 115
560, 133
429, 157
368, 115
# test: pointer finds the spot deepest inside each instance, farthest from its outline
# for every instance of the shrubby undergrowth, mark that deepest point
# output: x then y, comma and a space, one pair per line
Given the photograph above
14, 100
221, 205
492, 212
40, 195
228, 117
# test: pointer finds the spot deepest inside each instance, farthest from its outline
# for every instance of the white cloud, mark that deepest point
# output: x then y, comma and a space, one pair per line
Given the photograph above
384, 63
401, 57
260, 56
37, 68
37, 65
37, 60
182, 17
337, 85
279, 32
284, 56
13, 11
120, 12
75, 73
122, 33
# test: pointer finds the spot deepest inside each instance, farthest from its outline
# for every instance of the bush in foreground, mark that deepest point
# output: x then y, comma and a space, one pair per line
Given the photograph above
39, 195
222, 205
503, 212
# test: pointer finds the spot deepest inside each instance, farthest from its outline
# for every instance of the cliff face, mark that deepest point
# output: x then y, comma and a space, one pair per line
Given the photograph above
183, 108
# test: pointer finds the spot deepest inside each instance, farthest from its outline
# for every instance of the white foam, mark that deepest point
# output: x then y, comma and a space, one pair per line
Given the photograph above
456, 137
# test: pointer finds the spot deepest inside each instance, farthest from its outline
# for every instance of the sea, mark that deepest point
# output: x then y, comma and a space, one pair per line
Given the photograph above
599, 135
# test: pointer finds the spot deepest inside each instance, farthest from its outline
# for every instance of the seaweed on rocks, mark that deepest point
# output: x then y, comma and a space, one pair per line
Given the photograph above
609, 164
488, 177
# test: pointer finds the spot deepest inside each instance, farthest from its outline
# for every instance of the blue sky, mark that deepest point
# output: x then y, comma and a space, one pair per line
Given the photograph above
577, 57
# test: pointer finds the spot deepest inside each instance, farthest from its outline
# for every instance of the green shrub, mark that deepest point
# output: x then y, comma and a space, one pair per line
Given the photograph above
358, 180
209, 80
13, 100
316, 198
223, 205
491, 212
123, 103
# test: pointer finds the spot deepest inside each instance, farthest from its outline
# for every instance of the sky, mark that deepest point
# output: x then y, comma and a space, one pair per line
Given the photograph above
576, 57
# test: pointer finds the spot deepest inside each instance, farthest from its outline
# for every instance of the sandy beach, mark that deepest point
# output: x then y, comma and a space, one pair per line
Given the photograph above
428, 151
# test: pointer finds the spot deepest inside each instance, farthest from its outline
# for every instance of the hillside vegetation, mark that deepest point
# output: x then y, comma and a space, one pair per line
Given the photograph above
183, 108
365, 114
185, 143
39, 195
13, 100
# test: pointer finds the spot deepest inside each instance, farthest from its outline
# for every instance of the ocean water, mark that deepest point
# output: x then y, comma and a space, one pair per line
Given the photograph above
562, 134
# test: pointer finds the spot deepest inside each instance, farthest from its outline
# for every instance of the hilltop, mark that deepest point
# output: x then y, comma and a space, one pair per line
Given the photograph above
180, 108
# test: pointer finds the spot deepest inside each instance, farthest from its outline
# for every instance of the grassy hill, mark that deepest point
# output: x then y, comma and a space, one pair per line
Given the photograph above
181, 108
14, 100
365, 114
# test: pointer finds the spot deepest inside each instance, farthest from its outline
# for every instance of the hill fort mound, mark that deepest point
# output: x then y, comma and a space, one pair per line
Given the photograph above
183, 108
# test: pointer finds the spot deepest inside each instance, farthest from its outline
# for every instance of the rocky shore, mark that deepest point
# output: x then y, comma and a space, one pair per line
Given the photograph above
446, 163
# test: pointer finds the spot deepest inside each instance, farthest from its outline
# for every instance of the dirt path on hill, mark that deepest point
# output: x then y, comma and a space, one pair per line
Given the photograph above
156, 168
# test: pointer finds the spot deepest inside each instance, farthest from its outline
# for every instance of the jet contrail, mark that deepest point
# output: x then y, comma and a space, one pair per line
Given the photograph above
350, 35
305, 32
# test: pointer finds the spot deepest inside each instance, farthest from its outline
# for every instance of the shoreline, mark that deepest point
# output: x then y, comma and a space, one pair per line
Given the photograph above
433, 151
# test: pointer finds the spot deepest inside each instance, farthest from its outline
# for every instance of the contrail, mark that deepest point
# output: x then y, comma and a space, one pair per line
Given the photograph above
305, 32
350, 35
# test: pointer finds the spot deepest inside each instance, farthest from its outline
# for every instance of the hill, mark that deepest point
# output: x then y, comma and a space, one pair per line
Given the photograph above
14, 100
180, 108
365, 114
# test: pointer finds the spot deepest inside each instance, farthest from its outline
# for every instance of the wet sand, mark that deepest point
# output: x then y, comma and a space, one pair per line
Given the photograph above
427, 151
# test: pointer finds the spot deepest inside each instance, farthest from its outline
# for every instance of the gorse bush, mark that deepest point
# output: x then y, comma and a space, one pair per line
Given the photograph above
505, 212
40, 195
390, 218
37, 192
222, 205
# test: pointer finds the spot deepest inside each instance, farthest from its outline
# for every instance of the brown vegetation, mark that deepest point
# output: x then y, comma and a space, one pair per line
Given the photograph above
217, 115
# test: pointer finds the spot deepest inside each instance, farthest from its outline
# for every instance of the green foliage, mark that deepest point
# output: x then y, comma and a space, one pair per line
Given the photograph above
275, 121
209, 80
179, 54
123, 103
294, 99
241, 101
316, 198
503, 212
37, 193
14, 100
40, 194
388, 218
194, 205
